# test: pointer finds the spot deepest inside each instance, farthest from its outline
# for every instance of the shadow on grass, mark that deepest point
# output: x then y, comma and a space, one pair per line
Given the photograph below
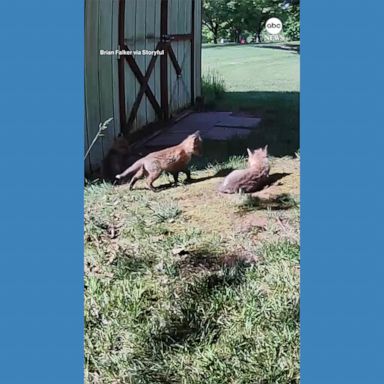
197, 307
126, 264
284, 47
280, 202
279, 127
164, 187
275, 177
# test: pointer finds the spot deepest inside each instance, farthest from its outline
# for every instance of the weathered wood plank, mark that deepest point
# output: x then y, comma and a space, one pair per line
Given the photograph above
105, 73
180, 52
186, 57
91, 80
150, 44
131, 84
115, 70
189, 73
156, 71
140, 32
197, 69
173, 89
87, 163
183, 53
144, 88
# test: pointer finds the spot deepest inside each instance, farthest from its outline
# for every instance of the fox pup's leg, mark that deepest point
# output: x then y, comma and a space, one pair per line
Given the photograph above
175, 177
138, 175
188, 174
151, 178
169, 174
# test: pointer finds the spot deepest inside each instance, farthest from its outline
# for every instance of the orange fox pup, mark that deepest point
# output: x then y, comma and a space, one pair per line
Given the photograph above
172, 160
251, 179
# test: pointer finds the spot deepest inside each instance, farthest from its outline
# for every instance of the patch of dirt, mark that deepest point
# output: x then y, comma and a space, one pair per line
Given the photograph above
251, 222
212, 212
224, 215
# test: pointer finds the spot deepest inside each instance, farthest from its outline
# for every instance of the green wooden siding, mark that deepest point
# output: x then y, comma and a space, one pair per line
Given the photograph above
142, 31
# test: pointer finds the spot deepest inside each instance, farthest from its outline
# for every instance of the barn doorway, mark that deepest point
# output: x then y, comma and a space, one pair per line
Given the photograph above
165, 81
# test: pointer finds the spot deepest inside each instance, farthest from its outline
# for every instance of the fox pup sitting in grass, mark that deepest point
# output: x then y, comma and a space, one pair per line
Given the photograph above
172, 160
251, 179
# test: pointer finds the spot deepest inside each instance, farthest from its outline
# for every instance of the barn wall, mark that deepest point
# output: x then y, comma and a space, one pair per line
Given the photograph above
197, 51
142, 31
101, 80
179, 22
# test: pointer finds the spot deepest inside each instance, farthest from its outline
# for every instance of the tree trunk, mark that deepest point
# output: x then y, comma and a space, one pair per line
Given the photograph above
237, 36
259, 29
233, 35
215, 34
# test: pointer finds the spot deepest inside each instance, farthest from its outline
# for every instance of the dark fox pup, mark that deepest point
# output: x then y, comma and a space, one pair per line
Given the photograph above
251, 179
172, 160
117, 159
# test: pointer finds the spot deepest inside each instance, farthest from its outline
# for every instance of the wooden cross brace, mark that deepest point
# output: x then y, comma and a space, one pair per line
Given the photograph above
144, 79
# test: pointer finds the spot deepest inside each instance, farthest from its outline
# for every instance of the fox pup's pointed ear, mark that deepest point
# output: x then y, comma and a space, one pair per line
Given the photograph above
249, 152
266, 148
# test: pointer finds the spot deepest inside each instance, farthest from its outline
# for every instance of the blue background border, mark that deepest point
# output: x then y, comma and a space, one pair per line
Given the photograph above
42, 199
342, 145
41, 164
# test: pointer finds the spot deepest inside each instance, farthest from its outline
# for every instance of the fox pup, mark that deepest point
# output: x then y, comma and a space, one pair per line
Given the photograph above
116, 159
172, 160
251, 179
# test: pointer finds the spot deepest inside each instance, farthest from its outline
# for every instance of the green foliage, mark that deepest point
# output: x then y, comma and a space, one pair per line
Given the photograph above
248, 68
164, 211
215, 17
168, 304
251, 203
234, 162
242, 18
292, 23
213, 86
251, 15
206, 35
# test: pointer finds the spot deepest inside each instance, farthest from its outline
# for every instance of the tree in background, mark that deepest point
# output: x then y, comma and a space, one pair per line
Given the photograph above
235, 17
215, 17
251, 15
243, 17
292, 20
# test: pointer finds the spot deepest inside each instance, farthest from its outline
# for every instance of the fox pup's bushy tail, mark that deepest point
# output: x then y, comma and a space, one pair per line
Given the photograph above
133, 168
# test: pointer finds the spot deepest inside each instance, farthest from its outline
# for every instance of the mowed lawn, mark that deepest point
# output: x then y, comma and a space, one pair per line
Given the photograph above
263, 81
189, 286
254, 68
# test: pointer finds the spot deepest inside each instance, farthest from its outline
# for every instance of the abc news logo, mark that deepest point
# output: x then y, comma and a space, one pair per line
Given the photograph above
274, 26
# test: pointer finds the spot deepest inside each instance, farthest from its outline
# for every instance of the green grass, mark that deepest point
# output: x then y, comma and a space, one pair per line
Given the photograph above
280, 202
166, 302
264, 82
188, 286
250, 68
169, 298
213, 86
